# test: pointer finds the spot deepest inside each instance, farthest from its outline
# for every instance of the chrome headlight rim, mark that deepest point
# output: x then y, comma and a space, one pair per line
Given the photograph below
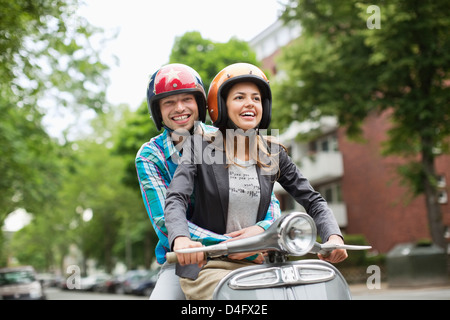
285, 228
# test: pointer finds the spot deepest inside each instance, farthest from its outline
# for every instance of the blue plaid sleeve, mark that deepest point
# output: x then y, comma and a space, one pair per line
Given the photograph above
153, 182
273, 213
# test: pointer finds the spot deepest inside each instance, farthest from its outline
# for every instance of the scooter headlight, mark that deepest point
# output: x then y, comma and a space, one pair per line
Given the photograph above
297, 233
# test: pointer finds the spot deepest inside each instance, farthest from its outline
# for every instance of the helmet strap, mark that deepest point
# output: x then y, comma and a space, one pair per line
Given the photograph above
191, 131
232, 125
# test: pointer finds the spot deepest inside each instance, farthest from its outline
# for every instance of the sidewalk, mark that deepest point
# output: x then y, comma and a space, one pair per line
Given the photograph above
362, 292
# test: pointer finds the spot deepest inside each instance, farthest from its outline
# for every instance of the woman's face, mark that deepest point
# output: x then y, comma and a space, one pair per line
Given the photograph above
244, 105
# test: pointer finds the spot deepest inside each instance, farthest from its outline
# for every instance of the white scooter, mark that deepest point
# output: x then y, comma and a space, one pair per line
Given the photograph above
278, 279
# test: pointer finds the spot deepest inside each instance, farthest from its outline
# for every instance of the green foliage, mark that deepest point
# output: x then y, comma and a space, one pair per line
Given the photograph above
91, 180
340, 66
138, 129
46, 52
208, 57
32, 245
46, 60
27, 161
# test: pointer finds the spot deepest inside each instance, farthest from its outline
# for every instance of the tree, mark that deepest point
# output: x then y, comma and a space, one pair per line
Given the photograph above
93, 208
208, 57
46, 60
347, 65
45, 56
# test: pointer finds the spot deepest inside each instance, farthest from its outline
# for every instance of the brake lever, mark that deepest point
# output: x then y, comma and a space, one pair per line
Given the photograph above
326, 248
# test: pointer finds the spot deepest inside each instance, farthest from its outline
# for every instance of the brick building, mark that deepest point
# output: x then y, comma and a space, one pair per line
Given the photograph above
361, 186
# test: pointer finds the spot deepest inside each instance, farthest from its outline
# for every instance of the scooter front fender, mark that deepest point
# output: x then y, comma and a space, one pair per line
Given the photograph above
296, 280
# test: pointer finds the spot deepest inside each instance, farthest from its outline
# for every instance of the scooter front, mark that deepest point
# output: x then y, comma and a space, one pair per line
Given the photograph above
293, 280
279, 279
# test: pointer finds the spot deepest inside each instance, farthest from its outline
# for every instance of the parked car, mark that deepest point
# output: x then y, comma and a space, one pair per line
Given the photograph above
146, 284
20, 283
130, 281
91, 282
48, 280
108, 285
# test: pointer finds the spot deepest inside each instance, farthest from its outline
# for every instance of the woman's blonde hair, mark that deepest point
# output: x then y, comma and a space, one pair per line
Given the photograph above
264, 150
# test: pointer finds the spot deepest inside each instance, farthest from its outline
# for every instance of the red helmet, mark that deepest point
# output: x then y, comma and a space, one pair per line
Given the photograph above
174, 79
238, 72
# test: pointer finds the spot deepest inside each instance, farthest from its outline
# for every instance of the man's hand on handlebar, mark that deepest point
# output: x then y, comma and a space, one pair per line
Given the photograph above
189, 258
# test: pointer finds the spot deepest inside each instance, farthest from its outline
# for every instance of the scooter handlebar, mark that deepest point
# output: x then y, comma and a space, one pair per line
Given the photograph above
323, 249
171, 257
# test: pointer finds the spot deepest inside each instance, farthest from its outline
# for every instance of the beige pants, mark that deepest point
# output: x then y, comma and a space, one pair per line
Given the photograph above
209, 277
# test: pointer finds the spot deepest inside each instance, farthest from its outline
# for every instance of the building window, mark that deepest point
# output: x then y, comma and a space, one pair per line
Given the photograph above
328, 143
441, 181
331, 192
442, 192
442, 197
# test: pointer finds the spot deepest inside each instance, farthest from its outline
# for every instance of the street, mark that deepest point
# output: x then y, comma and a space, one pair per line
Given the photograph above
58, 294
359, 292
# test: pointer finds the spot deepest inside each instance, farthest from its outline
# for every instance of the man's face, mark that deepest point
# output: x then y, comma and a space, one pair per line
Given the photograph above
179, 111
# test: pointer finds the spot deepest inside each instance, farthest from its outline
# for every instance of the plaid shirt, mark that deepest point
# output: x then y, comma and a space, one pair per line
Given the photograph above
155, 169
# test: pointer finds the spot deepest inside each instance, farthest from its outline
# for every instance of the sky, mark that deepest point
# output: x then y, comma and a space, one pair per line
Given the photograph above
147, 30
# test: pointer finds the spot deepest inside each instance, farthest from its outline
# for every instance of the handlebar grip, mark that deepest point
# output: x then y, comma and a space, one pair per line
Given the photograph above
171, 257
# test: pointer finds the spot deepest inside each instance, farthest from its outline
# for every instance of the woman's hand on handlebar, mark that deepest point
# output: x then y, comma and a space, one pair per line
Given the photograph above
189, 258
245, 233
336, 255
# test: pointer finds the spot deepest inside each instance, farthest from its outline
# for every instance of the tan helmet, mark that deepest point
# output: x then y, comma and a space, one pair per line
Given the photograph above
222, 82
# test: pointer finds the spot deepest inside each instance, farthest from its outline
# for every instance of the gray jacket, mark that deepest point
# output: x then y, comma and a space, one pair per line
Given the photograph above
202, 169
